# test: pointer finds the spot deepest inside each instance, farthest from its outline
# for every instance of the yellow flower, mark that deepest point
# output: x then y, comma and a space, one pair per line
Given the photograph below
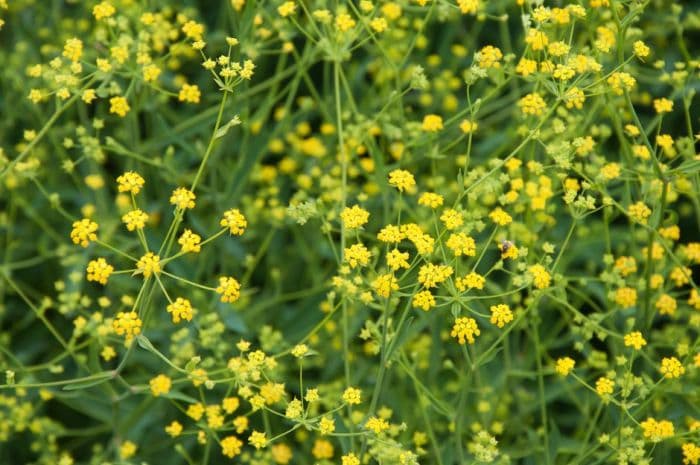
379, 24
103, 10
354, 217
574, 98
657, 431
431, 199
149, 264
671, 368
432, 123
234, 220
468, 6
357, 255
621, 82
402, 180
666, 304
160, 385
108, 353
564, 365
130, 182
390, 234
151, 72
257, 439
470, 281
626, 297
195, 411
640, 49
127, 450
430, 275
424, 300
229, 289
119, 106
73, 49
468, 126
691, 453
501, 315
174, 429
489, 57
135, 219
352, 396
384, 285
500, 217
635, 339
610, 171
183, 198
532, 104
350, 459
181, 309
537, 40
193, 30
663, 105
397, 259
508, 250
84, 232
99, 271
465, 329
451, 218
231, 446
639, 212
344, 22
286, 9
189, 93
604, 386
127, 324
540, 277
626, 265
322, 449
326, 426
190, 242
377, 425
461, 244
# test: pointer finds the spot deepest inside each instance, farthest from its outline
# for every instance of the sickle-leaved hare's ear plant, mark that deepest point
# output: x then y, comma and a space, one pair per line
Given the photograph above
391, 232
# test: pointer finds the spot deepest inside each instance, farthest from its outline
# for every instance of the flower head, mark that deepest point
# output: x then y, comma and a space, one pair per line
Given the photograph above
432, 123
130, 182
180, 310
190, 241
160, 385
119, 106
354, 217
229, 289
99, 271
402, 180
103, 10
127, 324
671, 368
465, 329
148, 264
564, 365
183, 198
235, 221
84, 232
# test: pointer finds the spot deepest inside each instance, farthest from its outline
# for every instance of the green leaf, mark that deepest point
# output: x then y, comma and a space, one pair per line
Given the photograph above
221, 132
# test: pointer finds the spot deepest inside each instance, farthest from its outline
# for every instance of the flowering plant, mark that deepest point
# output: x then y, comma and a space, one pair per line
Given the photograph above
392, 232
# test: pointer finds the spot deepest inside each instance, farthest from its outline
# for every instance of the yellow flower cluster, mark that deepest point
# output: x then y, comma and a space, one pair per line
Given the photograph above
127, 324
465, 329
657, 431
180, 309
